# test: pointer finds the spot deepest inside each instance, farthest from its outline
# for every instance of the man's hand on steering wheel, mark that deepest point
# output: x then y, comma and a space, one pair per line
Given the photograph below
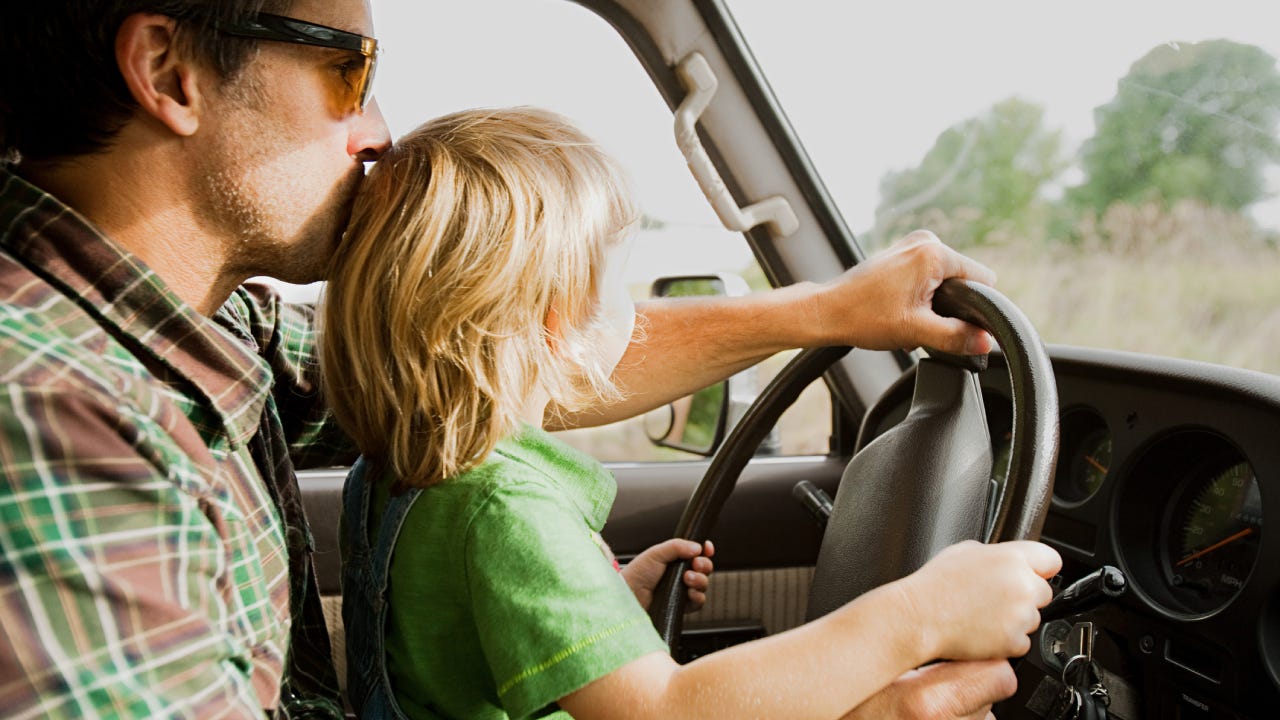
978, 601
942, 691
886, 301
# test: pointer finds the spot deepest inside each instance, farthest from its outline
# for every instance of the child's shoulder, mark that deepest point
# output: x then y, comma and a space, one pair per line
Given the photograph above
502, 477
533, 470
498, 475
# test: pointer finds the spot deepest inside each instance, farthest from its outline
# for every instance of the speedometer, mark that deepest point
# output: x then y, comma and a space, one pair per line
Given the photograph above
1212, 536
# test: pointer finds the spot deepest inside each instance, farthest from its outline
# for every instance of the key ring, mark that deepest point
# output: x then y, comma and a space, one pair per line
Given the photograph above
1067, 669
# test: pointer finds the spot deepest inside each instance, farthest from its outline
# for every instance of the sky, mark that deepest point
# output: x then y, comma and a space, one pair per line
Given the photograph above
911, 69
869, 86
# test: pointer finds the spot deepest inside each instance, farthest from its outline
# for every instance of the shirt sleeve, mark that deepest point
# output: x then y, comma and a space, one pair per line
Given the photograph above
287, 338
551, 611
113, 577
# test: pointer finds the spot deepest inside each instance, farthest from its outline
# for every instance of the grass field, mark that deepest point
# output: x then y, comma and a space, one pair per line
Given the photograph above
1189, 283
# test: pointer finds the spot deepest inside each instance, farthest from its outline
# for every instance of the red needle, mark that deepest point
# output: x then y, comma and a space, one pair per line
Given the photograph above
1225, 541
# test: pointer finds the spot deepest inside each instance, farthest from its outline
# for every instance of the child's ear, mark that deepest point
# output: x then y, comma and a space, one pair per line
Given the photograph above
556, 340
552, 324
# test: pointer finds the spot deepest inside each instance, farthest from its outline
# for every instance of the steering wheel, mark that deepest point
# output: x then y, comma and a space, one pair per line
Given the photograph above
922, 485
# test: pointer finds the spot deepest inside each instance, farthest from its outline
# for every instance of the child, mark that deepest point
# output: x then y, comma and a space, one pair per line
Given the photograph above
479, 288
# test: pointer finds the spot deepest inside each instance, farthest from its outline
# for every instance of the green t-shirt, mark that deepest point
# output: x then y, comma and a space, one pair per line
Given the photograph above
503, 599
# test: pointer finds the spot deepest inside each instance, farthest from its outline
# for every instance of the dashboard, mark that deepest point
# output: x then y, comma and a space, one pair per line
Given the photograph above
1170, 471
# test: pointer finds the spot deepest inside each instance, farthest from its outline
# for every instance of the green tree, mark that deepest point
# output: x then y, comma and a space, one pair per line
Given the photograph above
1189, 121
984, 174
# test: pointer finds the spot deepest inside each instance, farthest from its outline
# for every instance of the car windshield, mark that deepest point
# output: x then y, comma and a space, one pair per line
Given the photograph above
1115, 163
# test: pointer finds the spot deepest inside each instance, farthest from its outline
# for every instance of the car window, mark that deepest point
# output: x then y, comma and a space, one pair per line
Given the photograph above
440, 57
1115, 163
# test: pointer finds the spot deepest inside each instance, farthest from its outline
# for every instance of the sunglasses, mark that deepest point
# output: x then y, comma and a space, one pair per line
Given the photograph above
358, 79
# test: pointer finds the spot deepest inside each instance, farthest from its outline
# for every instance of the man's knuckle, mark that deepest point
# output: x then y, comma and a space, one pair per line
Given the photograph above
921, 235
933, 702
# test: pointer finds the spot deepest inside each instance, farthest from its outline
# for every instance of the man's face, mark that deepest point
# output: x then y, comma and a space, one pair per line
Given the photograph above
282, 161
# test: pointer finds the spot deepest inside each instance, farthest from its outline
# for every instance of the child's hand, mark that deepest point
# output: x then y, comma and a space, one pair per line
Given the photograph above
976, 601
643, 573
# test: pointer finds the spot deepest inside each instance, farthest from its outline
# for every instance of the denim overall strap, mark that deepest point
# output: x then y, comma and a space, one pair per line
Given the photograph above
364, 594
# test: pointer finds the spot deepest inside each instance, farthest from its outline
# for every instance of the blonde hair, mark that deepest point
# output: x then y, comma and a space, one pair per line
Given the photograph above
463, 237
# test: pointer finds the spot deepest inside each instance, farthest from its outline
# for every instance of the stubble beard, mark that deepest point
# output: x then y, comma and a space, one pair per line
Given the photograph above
262, 212
274, 219
267, 235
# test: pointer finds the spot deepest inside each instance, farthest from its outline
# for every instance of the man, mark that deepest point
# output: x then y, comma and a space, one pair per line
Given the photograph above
154, 560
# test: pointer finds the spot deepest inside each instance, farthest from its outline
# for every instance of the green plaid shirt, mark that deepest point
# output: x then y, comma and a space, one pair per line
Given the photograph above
155, 558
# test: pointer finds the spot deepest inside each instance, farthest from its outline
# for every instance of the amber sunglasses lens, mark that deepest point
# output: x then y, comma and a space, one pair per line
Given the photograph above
366, 82
363, 87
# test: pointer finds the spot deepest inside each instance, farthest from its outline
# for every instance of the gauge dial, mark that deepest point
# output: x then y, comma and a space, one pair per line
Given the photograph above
1088, 467
1212, 538
1086, 456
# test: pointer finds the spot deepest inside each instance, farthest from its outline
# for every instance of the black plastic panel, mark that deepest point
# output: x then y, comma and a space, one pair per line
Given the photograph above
1162, 416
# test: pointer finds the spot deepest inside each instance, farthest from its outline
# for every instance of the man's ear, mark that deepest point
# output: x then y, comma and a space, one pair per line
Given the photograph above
161, 79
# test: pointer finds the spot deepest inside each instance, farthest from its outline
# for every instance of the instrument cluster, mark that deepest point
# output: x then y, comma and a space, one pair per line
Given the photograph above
1170, 470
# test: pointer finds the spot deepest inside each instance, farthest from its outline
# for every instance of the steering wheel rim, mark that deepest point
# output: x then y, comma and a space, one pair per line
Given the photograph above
1034, 442
1034, 450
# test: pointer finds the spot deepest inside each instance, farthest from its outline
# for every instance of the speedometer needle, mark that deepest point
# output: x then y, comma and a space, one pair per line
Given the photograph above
1225, 541
1095, 463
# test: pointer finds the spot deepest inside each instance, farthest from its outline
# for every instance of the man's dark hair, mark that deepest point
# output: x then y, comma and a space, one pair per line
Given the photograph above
61, 92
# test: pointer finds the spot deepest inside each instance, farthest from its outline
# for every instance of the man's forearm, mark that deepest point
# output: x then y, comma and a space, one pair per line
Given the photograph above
884, 303
682, 345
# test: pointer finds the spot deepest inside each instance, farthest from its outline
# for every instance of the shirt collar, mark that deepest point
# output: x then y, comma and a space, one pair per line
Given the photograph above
133, 303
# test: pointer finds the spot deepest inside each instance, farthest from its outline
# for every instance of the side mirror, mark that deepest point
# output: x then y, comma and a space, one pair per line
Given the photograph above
694, 423
697, 423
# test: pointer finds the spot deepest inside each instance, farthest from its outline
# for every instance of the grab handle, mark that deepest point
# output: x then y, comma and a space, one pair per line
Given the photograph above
698, 80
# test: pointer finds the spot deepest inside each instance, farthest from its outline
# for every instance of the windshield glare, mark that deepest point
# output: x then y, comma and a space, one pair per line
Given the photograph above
1116, 164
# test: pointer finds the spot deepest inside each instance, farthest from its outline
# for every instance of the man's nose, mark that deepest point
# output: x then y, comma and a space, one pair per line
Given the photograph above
369, 136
